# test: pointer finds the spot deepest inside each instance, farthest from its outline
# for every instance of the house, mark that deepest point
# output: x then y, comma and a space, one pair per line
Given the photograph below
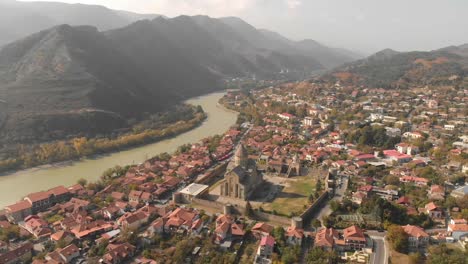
85, 229
156, 227
62, 235
436, 192
18, 211
286, 116
133, 221
294, 235
180, 218
458, 231
112, 211
415, 180
358, 197
354, 238
404, 200
36, 226
20, 254
416, 236
265, 249
41, 201
63, 255
433, 210
118, 253
460, 192
325, 238
228, 229
261, 229
412, 135
137, 197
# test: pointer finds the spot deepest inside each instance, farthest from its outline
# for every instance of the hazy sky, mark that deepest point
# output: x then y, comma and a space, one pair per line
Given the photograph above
365, 25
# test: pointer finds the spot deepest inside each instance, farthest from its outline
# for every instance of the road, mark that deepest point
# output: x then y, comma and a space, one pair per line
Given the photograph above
339, 193
381, 253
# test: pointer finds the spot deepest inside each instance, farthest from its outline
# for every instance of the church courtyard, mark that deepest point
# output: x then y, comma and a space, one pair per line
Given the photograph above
293, 196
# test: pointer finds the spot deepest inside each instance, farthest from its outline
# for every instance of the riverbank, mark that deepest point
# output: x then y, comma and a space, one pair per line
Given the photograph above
16, 185
49, 154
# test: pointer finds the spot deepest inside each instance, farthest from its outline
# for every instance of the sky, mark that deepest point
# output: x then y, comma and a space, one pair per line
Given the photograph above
361, 25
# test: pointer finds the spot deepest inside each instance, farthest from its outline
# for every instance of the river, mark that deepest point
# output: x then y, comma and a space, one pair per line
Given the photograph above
16, 185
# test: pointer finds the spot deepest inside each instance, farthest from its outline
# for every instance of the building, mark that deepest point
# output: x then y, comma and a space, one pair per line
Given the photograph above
118, 253
262, 229
354, 238
433, 210
18, 211
265, 249
294, 235
228, 229
133, 221
242, 177
325, 238
460, 192
458, 231
192, 191
63, 255
21, 254
308, 121
416, 236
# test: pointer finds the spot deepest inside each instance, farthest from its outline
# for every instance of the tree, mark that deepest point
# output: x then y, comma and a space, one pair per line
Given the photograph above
397, 238
82, 182
319, 256
335, 205
248, 209
441, 254
416, 258
279, 234
316, 223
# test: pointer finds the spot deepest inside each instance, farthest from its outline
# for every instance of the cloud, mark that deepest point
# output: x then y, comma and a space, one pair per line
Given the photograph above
293, 4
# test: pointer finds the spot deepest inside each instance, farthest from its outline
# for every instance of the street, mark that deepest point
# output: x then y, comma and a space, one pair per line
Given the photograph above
381, 254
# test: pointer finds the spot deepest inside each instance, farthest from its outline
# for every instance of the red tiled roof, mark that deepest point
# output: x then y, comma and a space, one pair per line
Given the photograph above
414, 231
267, 241
19, 206
354, 233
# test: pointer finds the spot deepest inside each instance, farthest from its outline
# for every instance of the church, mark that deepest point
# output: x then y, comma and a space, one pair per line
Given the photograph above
242, 177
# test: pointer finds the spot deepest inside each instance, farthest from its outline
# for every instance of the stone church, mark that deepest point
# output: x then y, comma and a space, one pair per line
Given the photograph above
242, 177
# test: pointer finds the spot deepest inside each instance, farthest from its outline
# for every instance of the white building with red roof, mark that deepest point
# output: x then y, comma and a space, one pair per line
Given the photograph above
417, 237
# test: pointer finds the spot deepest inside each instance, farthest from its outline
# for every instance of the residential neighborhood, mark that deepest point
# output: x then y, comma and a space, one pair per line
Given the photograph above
311, 171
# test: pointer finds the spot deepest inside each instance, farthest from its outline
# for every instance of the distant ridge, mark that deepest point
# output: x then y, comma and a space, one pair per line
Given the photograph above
393, 69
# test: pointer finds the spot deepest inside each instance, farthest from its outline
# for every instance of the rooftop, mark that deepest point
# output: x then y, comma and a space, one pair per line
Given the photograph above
194, 189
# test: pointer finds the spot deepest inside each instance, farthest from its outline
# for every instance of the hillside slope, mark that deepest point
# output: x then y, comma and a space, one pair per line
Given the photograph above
389, 68
68, 80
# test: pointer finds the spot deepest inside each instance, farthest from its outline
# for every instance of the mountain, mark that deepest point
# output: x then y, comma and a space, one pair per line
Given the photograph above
20, 19
265, 39
70, 80
390, 69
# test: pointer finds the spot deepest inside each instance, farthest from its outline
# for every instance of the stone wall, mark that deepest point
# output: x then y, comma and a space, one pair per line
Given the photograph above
265, 217
208, 203
308, 214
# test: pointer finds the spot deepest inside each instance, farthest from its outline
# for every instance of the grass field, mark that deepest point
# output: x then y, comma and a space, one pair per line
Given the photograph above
294, 197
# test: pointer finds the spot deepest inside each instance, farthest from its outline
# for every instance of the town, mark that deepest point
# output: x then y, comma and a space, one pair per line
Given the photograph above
313, 172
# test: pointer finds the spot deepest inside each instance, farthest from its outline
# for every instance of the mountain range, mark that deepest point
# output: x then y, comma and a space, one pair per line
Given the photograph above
68, 80
21, 19
392, 69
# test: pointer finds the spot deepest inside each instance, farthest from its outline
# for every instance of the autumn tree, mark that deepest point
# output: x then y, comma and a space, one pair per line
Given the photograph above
398, 238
